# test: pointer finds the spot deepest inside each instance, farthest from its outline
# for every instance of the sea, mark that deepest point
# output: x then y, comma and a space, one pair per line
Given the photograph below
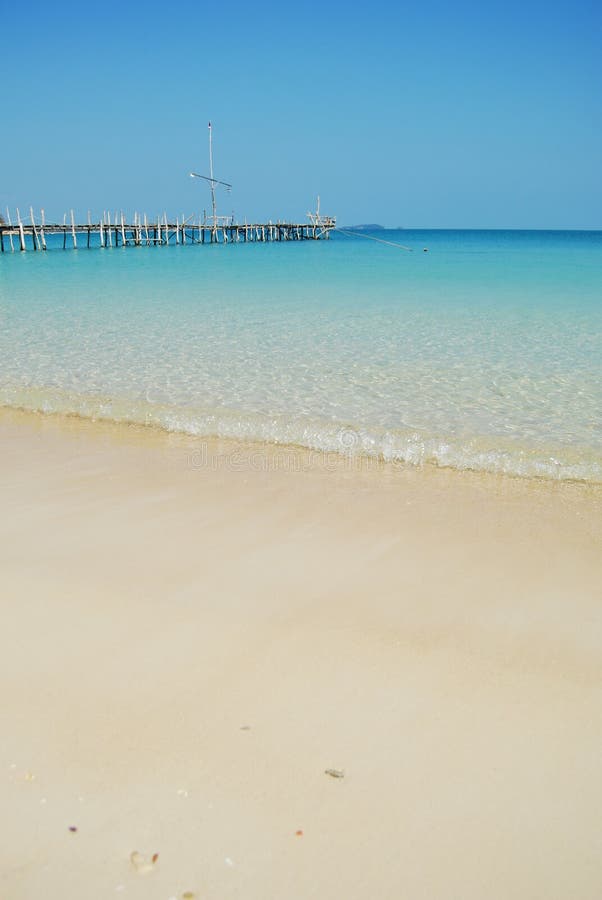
476, 350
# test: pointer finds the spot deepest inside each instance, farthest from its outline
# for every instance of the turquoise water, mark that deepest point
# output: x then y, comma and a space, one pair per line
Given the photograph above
484, 353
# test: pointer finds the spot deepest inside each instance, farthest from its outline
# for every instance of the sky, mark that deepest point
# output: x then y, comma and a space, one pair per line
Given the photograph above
471, 114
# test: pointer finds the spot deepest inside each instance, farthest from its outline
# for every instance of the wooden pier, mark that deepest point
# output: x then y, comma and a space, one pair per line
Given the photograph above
114, 231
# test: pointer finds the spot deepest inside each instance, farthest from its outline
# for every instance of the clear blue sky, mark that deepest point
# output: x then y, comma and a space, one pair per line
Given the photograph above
432, 113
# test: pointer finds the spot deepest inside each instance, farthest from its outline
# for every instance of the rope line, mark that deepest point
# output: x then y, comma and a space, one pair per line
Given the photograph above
370, 237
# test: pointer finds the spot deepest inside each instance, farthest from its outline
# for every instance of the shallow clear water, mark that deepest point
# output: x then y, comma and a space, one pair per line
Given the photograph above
484, 353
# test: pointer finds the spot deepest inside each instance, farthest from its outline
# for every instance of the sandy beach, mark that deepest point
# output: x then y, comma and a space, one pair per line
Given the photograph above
194, 632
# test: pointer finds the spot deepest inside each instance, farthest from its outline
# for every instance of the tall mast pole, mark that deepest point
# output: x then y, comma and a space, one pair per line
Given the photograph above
212, 183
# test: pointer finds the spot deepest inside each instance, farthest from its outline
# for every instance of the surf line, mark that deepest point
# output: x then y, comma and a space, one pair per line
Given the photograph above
372, 238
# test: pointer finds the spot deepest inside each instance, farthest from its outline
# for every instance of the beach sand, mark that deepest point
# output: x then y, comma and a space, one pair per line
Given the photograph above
192, 633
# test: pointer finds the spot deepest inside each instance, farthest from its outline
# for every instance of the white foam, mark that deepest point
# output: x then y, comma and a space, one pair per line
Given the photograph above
481, 453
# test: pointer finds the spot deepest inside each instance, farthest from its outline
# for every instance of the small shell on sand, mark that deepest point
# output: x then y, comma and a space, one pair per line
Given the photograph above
335, 773
143, 864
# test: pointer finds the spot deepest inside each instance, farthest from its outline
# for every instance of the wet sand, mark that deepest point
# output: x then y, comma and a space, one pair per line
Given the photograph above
192, 633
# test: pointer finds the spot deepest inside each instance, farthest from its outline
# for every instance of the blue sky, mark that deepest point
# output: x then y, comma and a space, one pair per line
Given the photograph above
435, 114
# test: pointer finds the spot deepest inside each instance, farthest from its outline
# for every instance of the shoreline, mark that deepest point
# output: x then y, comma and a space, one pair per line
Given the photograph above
349, 441
191, 641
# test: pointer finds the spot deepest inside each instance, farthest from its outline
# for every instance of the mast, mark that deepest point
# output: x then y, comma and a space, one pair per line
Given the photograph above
212, 180
213, 183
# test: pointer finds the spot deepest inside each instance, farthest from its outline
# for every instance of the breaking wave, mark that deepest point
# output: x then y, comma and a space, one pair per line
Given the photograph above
405, 446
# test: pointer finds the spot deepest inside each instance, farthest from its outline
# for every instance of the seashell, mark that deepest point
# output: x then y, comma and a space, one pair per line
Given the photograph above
143, 864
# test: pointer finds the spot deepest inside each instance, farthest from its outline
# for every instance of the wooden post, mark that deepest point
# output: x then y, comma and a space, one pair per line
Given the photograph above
34, 235
21, 232
123, 241
10, 233
42, 235
73, 231
34, 241
101, 233
146, 229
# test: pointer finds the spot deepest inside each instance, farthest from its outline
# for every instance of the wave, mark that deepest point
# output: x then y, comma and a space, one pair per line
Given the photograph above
352, 439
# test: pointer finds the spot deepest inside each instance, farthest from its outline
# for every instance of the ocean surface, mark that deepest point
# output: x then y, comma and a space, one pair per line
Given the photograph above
483, 353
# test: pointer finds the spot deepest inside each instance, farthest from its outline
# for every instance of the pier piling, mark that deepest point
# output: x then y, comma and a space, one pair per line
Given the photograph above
115, 231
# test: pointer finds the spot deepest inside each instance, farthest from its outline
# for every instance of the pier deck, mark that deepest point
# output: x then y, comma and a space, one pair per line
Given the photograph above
22, 236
